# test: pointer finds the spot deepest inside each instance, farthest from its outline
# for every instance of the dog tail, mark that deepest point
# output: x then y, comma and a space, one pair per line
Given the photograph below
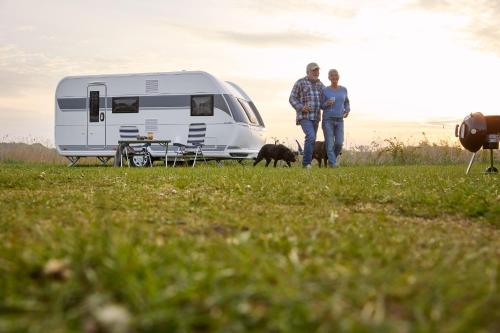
301, 151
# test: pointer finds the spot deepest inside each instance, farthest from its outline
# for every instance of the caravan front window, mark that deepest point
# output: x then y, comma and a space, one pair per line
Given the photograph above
125, 104
249, 112
257, 114
236, 109
202, 105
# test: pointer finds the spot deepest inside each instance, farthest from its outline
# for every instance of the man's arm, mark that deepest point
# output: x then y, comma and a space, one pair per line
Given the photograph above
295, 97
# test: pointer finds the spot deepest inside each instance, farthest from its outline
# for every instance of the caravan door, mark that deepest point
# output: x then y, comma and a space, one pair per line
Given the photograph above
96, 115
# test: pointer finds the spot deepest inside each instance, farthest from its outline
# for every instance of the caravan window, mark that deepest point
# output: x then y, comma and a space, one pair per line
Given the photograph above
249, 112
236, 109
94, 107
257, 114
125, 104
202, 105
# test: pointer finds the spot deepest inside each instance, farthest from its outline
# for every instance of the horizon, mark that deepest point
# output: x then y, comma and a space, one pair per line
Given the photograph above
409, 66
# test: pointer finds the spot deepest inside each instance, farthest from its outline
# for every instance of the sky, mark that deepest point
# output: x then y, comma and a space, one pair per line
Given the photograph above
410, 66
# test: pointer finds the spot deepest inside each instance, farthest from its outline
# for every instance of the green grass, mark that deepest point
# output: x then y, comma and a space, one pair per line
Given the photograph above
236, 249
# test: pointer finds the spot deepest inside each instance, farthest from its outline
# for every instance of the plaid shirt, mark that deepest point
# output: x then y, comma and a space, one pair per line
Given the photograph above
306, 92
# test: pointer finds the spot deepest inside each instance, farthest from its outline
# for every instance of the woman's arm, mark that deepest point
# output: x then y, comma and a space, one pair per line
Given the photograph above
347, 104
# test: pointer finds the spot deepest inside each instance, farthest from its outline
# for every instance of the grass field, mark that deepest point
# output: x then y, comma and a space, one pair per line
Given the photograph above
237, 249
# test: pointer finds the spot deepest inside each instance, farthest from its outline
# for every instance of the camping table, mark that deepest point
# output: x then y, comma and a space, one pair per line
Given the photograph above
124, 143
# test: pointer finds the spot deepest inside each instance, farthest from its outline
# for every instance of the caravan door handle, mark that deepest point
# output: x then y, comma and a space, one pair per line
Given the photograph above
101, 116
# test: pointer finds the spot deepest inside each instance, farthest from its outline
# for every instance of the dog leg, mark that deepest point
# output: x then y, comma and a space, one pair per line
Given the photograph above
257, 160
337, 149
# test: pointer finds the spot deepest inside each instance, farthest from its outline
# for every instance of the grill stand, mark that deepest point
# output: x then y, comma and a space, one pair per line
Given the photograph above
470, 163
491, 169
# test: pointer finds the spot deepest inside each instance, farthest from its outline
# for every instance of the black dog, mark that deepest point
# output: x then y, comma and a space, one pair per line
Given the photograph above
275, 152
319, 152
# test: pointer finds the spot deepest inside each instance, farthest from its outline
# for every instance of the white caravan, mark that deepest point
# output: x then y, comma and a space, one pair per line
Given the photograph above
93, 112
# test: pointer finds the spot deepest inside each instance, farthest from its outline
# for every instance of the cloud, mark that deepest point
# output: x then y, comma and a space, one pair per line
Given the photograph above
482, 27
284, 38
25, 28
273, 7
23, 70
278, 39
432, 4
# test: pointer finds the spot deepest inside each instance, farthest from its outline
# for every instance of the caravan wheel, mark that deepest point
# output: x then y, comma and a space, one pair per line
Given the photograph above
140, 160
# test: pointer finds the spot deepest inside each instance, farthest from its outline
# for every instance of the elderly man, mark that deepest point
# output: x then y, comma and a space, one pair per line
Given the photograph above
305, 98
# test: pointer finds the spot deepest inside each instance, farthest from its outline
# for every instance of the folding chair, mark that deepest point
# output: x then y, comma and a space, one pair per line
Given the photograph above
194, 145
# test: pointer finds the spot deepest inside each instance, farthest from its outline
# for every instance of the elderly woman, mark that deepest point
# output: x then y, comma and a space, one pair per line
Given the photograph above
335, 105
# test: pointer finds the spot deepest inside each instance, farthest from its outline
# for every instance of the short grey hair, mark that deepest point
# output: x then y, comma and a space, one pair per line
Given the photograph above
311, 66
333, 70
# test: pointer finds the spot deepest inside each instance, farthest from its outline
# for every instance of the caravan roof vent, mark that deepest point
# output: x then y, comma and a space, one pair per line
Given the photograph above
151, 86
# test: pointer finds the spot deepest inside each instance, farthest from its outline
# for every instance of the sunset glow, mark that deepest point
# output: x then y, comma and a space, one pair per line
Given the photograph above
409, 66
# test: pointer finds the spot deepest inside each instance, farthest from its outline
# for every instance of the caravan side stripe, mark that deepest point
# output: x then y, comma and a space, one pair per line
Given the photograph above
154, 147
146, 102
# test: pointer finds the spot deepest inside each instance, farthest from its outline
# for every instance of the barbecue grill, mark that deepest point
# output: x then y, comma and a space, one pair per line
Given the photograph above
478, 131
